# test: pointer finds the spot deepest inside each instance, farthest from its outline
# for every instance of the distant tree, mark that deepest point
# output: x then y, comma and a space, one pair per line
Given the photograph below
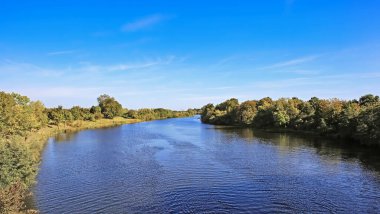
227, 111
305, 119
368, 99
132, 114
37, 115
247, 112
20, 100
228, 105
264, 117
56, 115
77, 113
348, 119
9, 113
103, 98
110, 108
18, 115
281, 118
368, 127
207, 113
97, 112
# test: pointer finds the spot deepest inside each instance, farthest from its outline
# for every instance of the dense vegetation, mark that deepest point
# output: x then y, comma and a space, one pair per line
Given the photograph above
20, 155
158, 113
358, 120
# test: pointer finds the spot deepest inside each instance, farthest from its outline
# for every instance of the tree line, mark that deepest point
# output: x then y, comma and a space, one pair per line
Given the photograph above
109, 108
19, 117
356, 120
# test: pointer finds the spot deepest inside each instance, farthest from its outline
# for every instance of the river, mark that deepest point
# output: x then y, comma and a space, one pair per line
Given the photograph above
182, 165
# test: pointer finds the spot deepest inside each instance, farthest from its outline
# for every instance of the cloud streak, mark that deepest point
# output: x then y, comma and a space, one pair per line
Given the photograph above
130, 66
143, 23
292, 62
10, 67
55, 53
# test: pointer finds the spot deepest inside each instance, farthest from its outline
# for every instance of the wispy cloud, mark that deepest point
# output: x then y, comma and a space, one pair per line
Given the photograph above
10, 67
130, 66
13, 68
60, 91
54, 53
143, 23
300, 71
292, 62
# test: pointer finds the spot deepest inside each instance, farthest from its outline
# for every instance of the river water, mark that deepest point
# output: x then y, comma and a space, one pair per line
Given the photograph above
184, 166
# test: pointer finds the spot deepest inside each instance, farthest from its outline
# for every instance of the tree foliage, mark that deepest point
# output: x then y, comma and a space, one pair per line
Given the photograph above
18, 115
156, 114
110, 108
359, 120
16, 164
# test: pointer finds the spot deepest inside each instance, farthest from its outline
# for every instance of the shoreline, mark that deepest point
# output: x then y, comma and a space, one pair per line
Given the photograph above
36, 141
308, 133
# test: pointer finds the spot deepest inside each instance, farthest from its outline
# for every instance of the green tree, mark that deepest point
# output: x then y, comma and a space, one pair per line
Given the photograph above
228, 105
56, 115
348, 119
77, 113
226, 112
281, 118
207, 113
97, 112
368, 99
368, 127
264, 116
305, 119
247, 112
16, 164
110, 108
38, 111
18, 115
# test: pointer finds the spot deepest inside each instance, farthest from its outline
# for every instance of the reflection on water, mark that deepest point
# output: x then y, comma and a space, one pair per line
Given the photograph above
64, 137
367, 156
181, 165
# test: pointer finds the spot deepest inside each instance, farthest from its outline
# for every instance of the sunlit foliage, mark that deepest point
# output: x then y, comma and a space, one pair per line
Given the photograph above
357, 120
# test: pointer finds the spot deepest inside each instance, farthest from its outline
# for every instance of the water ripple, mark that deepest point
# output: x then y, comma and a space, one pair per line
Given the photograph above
183, 166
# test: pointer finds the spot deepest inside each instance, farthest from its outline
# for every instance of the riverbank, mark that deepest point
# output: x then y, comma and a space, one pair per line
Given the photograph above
355, 120
37, 140
25, 127
120, 166
34, 143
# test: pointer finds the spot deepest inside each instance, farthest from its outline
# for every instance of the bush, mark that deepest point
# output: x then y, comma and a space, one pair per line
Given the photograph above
12, 198
16, 164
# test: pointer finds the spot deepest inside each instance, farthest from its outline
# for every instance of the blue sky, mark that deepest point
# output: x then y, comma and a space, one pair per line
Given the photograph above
180, 54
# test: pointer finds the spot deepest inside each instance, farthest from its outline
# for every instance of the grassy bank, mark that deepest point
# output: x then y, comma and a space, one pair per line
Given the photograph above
36, 140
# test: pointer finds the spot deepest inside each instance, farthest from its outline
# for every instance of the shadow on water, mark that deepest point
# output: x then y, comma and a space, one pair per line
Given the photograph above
63, 137
368, 157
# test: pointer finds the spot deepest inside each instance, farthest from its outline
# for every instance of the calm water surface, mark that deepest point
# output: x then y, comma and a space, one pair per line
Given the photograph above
181, 165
